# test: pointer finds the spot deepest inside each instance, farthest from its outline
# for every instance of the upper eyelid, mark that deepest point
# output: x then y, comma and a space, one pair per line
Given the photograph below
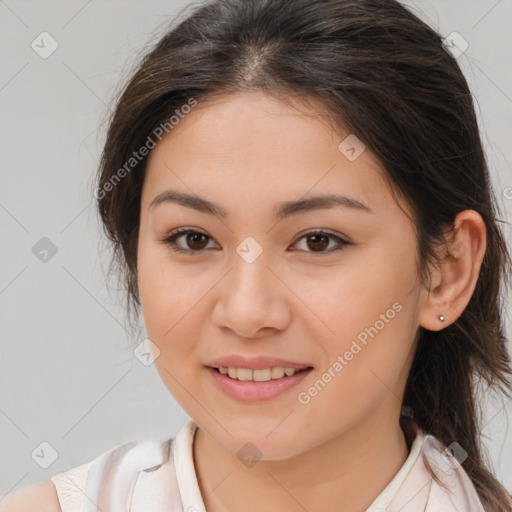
321, 230
185, 230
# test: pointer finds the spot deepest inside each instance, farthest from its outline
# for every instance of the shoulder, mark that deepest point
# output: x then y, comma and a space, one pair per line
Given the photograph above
71, 487
63, 492
123, 464
41, 497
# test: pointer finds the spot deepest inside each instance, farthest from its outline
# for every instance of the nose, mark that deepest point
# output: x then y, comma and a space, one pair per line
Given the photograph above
252, 300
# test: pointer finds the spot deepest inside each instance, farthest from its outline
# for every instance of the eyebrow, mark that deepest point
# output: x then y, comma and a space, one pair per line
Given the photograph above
280, 211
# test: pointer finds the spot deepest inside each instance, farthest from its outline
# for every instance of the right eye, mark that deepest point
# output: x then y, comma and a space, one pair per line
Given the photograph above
194, 239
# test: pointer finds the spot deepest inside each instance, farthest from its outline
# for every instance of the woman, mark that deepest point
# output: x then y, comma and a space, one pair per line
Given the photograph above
298, 198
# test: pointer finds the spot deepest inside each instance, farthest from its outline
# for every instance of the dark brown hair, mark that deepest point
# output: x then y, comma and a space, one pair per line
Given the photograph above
383, 75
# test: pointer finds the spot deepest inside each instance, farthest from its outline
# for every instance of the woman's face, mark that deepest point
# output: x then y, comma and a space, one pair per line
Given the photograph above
257, 280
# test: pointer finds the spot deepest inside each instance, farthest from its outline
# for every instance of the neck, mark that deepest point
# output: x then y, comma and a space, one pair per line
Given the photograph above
347, 472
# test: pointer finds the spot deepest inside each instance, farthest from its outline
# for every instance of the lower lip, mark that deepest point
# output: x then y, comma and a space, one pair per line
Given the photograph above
251, 391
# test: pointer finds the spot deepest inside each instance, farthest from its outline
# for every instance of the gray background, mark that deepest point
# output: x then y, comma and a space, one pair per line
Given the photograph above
67, 374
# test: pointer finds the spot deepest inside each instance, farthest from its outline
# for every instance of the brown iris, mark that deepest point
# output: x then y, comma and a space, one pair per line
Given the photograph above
320, 241
194, 240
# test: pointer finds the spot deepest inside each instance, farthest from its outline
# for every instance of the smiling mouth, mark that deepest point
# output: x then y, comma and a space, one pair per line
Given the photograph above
263, 375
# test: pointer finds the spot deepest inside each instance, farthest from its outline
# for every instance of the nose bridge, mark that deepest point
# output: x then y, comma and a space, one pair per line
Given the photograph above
250, 274
251, 295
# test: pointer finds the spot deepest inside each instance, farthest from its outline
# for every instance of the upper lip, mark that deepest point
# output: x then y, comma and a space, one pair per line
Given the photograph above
255, 363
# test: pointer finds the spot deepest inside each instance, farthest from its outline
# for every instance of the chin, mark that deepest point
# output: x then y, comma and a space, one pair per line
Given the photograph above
255, 445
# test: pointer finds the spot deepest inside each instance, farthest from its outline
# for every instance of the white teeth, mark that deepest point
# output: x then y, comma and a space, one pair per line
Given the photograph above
243, 373
263, 375
277, 372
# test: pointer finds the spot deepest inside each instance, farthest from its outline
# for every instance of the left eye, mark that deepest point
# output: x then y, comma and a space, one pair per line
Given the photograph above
197, 241
320, 240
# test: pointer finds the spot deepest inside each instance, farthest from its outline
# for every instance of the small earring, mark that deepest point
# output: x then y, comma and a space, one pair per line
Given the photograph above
441, 317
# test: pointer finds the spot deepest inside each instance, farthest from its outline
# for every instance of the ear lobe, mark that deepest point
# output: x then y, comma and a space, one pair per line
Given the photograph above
454, 281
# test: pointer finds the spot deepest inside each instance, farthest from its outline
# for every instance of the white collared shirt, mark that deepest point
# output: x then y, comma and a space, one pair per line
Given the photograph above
158, 475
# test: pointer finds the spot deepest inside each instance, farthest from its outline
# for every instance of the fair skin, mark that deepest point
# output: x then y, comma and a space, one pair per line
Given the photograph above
248, 153
41, 497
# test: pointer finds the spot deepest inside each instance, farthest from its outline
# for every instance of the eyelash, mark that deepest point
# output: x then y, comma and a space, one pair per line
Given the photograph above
171, 240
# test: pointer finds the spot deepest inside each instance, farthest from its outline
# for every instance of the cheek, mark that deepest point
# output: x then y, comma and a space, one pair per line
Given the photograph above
171, 303
366, 365
169, 308
161, 293
367, 315
347, 299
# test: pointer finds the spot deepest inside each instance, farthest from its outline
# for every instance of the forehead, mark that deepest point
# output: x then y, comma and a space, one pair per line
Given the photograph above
237, 147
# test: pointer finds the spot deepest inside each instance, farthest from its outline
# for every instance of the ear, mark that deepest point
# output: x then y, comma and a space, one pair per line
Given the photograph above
454, 281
